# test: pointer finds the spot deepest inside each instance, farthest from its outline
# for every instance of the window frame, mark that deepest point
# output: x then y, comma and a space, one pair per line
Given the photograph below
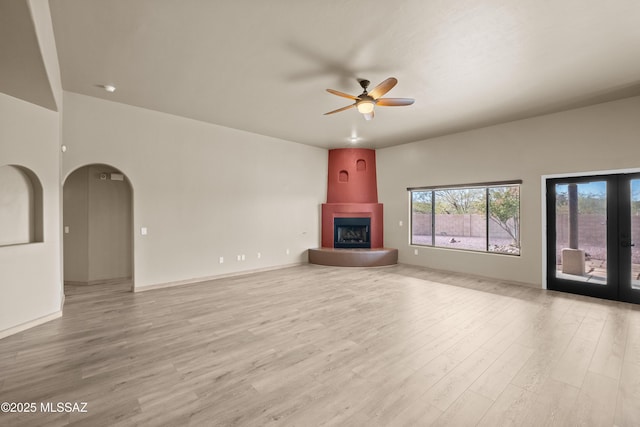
486, 186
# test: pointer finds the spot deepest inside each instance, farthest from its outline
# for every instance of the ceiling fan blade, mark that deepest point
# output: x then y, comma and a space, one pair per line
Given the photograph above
383, 87
341, 109
342, 94
394, 102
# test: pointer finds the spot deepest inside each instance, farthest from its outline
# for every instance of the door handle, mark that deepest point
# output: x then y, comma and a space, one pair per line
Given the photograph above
627, 244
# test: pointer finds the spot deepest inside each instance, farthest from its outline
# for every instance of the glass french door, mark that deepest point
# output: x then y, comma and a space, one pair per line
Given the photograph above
593, 223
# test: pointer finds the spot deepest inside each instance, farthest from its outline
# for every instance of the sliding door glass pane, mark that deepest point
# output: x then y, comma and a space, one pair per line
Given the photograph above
581, 231
504, 219
635, 233
421, 214
460, 218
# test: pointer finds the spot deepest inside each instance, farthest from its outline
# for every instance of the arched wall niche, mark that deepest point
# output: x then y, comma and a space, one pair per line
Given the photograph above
21, 218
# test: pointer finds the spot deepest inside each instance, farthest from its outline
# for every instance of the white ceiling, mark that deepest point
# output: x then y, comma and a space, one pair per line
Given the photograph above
22, 70
263, 66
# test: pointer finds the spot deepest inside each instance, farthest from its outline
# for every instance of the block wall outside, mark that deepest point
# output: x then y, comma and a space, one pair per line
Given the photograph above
464, 225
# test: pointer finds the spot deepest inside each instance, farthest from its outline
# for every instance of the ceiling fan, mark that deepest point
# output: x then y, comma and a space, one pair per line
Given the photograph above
365, 102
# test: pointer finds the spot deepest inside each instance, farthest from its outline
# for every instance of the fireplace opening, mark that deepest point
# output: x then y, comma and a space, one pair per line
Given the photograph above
352, 232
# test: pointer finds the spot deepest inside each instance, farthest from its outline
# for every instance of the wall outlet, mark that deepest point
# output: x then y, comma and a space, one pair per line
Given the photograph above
242, 257
144, 231
287, 251
221, 260
66, 229
400, 223
259, 255
415, 252
238, 257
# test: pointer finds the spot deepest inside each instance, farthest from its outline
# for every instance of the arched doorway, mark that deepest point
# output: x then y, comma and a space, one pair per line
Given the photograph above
98, 228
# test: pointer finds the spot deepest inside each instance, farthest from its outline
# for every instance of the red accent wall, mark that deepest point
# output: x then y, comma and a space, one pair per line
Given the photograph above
352, 192
352, 176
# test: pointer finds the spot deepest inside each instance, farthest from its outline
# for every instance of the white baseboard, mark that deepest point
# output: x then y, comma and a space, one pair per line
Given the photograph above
208, 278
30, 324
115, 281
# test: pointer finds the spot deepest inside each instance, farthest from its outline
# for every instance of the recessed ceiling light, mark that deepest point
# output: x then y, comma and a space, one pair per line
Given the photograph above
354, 136
109, 88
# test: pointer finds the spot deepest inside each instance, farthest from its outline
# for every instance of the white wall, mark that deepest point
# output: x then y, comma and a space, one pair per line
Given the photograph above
109, 225
30, 279
16, 207
601, 137
203, 191
75, 214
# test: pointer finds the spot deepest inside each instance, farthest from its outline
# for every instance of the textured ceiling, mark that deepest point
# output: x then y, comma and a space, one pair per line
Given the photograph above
263, 66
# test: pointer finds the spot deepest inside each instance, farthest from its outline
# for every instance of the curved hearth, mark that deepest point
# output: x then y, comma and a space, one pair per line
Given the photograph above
353, 257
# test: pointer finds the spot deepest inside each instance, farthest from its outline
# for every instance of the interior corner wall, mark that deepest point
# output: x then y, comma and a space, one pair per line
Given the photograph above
202, 191
30, 277
603, 137
109, 225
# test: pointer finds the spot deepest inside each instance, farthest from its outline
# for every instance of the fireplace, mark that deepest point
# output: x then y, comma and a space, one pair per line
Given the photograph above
352, 192
352, 233
352, 217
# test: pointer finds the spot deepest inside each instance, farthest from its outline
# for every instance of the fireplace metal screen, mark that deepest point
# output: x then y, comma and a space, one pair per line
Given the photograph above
352, 232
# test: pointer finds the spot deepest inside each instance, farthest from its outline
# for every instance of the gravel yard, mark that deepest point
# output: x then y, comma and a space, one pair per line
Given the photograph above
501, 245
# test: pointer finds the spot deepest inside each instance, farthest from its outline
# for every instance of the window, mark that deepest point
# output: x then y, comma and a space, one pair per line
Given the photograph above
474, 217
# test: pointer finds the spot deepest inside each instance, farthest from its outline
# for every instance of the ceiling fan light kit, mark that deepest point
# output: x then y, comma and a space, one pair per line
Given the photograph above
365, 106
366, 101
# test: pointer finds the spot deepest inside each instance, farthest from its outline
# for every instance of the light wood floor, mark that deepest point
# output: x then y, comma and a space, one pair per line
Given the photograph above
314, 345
